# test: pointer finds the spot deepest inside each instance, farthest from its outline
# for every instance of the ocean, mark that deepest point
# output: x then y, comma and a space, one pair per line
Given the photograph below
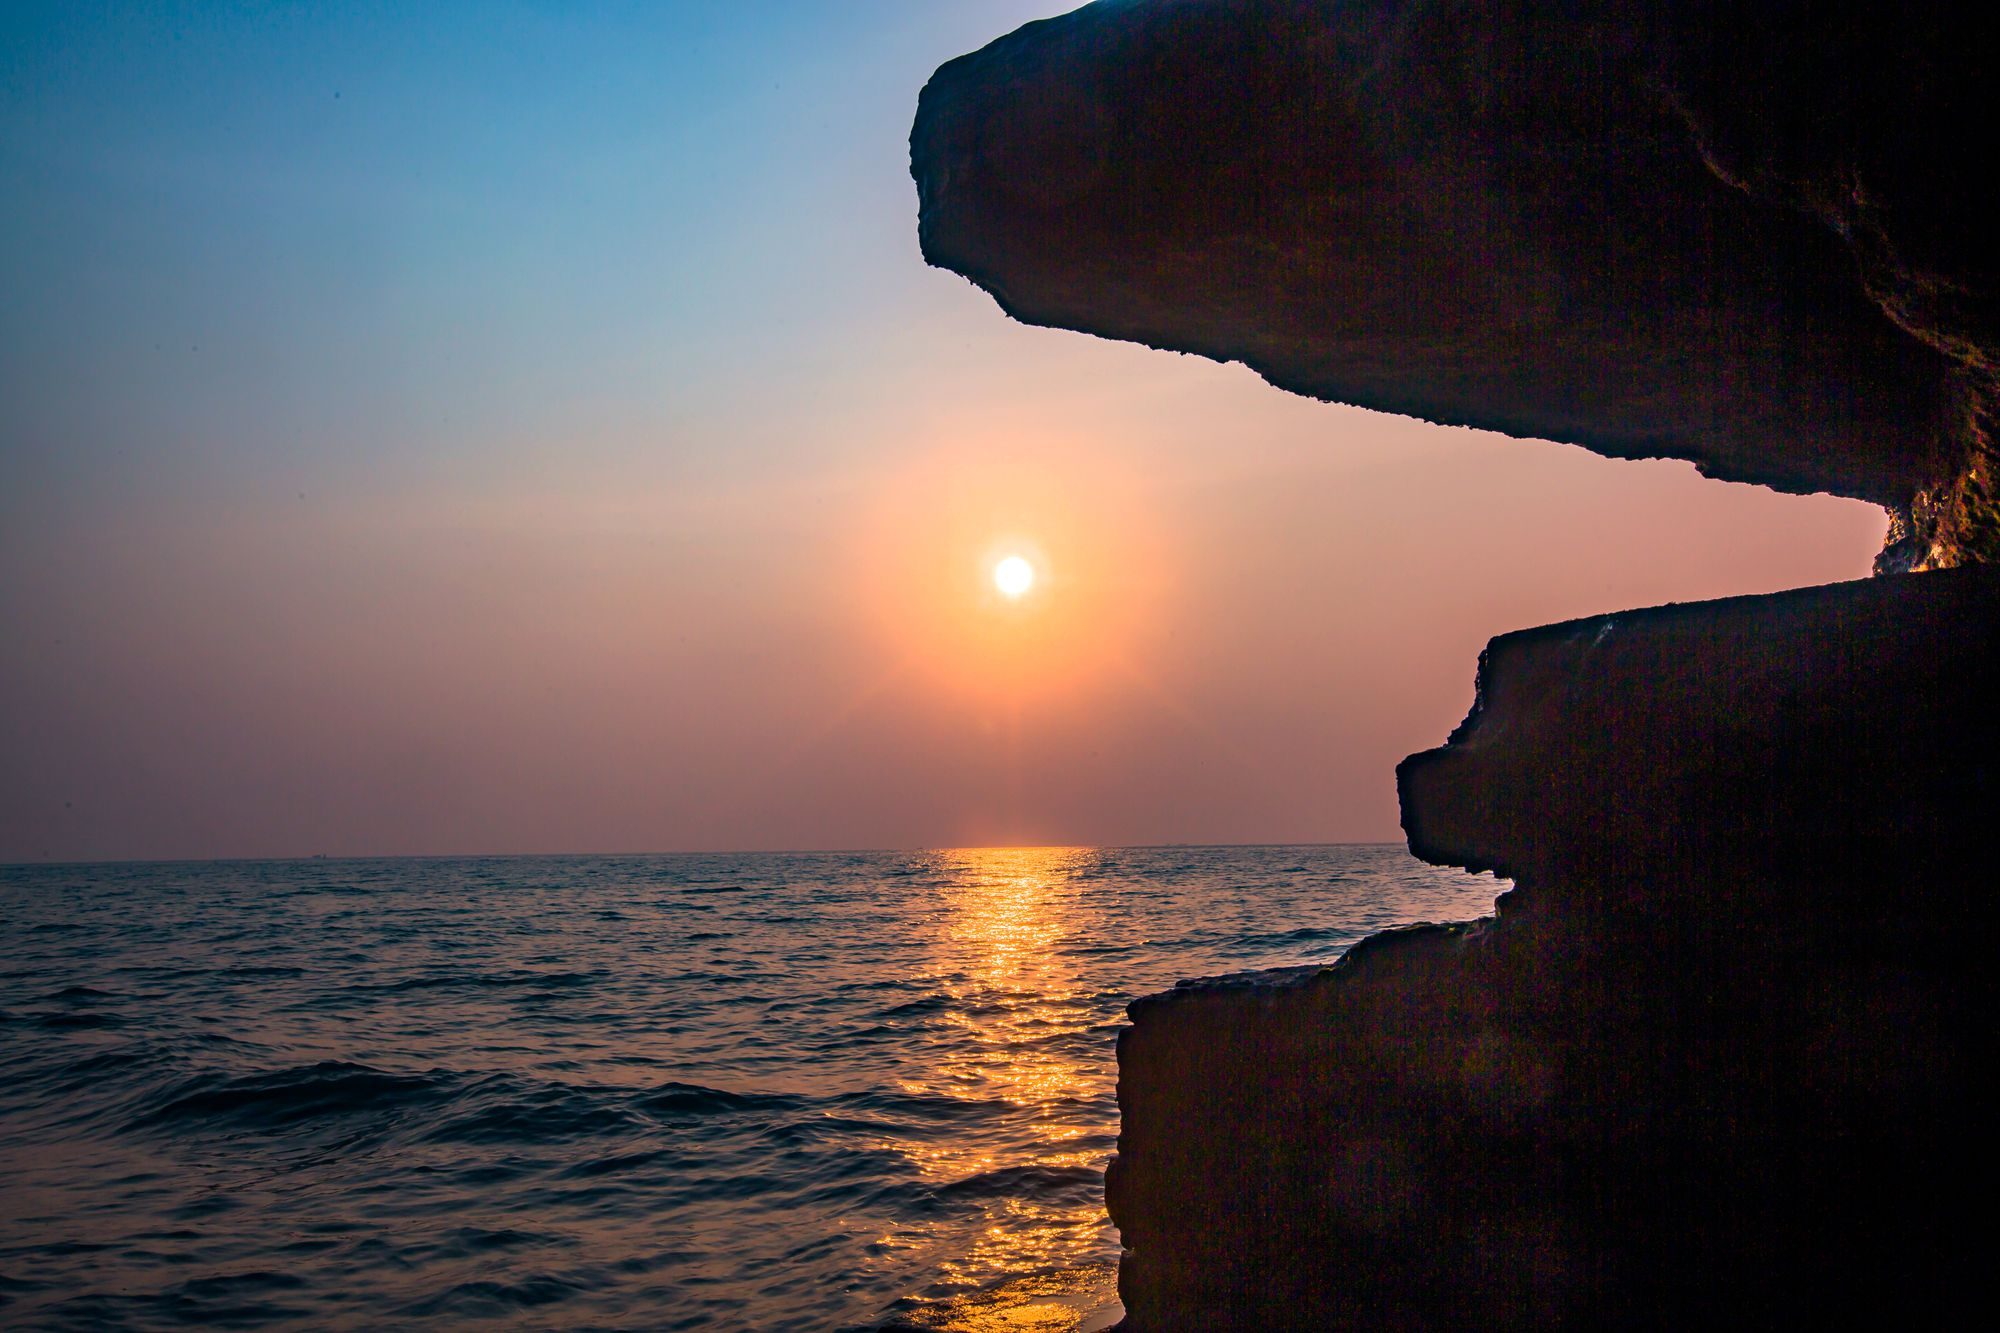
811, 1091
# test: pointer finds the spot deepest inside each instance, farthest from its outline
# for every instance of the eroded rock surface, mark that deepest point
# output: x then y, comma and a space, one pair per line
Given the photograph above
1741, 235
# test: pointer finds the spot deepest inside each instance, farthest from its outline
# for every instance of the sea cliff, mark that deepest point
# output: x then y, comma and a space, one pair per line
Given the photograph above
1714, 1056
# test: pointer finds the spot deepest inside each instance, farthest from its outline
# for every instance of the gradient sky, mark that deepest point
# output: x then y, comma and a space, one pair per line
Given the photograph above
509, 428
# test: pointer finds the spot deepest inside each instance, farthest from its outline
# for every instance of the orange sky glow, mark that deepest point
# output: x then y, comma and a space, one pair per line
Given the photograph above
622, 488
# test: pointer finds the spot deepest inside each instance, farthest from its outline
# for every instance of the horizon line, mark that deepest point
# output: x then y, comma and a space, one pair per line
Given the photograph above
786, 851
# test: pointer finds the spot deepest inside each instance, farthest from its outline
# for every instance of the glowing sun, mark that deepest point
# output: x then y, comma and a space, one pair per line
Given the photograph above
1013, 576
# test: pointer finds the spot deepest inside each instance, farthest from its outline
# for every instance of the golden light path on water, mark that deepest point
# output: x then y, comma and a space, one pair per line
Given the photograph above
1005, 916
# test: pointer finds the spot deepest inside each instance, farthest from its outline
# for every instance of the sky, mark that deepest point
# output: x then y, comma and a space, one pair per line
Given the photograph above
510, 428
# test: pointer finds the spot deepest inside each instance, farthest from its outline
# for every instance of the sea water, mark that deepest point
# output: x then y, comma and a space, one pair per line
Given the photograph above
742, 1092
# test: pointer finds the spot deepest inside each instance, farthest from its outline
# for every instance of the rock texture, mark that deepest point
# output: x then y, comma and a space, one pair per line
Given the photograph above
1715, 1059
1741, 235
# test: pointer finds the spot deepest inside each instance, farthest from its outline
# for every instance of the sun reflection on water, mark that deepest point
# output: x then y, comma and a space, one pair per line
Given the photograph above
1005, 918
1005, 925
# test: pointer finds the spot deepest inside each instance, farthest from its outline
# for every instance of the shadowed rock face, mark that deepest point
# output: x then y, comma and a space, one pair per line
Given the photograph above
1714, 1061
1813, 732
1651, 229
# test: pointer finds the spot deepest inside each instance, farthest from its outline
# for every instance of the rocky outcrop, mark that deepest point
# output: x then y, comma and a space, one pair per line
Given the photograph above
1821, 733
1741, 235
1714, 1058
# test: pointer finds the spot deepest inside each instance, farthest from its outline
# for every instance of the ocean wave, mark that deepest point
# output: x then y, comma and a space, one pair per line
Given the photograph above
493, 1300
921, 1106
616, 1164
684, 1099
286, 1098
58, 1020
70, 994
485, 981
242, 1300
81, 1081
1029, 1181
502, 1110
100, 1065
1303, 935
466, 1242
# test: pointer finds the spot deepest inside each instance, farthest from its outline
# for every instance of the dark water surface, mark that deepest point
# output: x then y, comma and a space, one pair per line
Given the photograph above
663, 1092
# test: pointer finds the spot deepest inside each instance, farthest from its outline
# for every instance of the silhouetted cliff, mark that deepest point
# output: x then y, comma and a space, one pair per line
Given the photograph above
1715, 1055
1742, 235
1715, 1058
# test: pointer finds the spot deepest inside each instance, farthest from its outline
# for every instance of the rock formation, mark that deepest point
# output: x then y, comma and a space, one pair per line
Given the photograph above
1703, 231
1714, 1056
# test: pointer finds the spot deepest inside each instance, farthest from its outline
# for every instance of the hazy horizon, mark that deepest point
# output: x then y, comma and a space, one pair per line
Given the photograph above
614, 855
497, 430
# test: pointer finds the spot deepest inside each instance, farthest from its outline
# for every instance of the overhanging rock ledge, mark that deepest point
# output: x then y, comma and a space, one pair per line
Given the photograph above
1714, 1057
1735, 234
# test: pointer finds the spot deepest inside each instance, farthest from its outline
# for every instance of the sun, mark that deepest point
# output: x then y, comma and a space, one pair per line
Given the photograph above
1013, 577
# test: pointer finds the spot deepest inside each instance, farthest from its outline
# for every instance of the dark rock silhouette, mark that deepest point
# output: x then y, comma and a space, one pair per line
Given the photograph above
1715, 1056
1742, 235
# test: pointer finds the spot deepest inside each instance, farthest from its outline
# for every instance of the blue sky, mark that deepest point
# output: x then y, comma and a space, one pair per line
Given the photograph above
282, 242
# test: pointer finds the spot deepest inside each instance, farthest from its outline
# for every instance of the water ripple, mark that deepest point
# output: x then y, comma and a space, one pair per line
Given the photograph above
750, 1092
